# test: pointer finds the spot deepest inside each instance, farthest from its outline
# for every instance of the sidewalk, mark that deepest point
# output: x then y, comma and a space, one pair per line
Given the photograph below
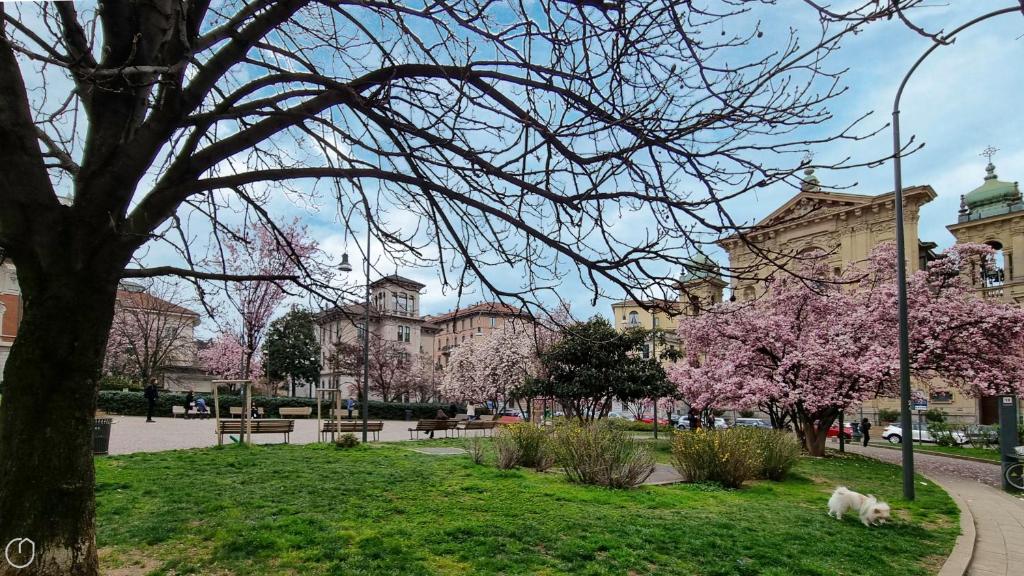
998, 516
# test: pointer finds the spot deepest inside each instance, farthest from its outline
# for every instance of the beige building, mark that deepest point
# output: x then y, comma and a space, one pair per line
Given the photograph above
394, 317
475, 321
848, 226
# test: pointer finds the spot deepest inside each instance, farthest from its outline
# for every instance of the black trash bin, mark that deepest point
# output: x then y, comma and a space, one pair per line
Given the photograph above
101, 435
408, 415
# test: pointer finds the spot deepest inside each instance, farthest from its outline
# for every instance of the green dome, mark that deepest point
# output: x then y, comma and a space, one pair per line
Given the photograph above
700, 267
994, 193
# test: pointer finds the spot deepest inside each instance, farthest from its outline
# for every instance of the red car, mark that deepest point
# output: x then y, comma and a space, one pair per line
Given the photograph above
648, 420
833, 432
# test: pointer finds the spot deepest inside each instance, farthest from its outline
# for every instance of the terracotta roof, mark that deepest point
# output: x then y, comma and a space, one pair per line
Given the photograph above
479, 308
146, 301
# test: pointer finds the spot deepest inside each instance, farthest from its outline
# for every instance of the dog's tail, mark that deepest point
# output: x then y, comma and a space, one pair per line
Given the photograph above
840, 490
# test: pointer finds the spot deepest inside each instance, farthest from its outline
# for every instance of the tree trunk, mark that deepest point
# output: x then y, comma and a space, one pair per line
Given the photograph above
46, 421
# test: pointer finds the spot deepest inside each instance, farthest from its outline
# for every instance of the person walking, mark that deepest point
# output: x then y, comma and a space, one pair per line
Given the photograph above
865, 428
348, 404
150, 394
189, 400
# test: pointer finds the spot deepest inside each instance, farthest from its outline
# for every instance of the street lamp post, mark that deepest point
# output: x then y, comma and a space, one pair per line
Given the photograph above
366, 333
901, 264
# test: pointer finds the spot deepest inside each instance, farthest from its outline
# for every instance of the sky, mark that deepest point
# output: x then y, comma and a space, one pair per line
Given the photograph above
964, 98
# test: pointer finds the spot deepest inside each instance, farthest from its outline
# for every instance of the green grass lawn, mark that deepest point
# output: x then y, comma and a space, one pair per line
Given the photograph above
983, 453
384, 510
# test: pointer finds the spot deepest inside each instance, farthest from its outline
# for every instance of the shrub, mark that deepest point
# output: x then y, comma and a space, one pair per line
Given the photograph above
531, 443
942, 432
935, 415
507, 451
475, 447
633, 425
598, 453
346, 441
779, 452
729, 457
134, 404
888, 415
119, 382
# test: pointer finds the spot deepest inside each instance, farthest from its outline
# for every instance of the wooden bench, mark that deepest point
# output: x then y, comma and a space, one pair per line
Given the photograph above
350, 426
194, 413
177, 411
275, 426
236, 411
344, 413
295, 411
484, 425
434, 426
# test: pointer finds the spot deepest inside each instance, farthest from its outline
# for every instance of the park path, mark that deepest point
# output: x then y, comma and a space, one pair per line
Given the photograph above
998, 516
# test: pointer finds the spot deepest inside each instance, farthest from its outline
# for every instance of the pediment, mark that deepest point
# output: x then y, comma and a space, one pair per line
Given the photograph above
811, 205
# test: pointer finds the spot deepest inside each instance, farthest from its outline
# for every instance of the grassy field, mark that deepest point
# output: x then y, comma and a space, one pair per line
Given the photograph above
982, 453
385, 510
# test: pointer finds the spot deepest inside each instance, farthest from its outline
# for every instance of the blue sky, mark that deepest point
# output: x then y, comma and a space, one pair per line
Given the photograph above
963, 99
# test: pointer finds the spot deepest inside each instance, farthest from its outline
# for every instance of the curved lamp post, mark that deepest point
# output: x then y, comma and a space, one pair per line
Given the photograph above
901, 265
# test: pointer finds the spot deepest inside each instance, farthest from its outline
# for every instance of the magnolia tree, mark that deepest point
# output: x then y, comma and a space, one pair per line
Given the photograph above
491, 368
810, 349
395, 373
227, 358
259, 252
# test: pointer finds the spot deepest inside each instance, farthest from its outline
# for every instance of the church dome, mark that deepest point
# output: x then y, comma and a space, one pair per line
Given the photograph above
700, 267
994, 196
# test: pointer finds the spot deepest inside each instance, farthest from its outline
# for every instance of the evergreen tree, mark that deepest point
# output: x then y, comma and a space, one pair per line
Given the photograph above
291, 352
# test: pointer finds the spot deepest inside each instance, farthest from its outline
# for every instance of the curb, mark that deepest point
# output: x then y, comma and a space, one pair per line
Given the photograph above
963, 550
943, 454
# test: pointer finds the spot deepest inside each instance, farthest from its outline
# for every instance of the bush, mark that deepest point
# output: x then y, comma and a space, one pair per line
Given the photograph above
532, 443
346, 441
888, 415
729, 457
935, 415
779, 452
119, 382
942, 432
134, 404
475, 447
633, 425
598, 453
507, 451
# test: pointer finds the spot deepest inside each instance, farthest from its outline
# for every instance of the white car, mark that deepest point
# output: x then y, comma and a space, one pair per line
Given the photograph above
894, 434
620, 415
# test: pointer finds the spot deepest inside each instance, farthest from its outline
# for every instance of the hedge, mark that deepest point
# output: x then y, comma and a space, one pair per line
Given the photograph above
134, 404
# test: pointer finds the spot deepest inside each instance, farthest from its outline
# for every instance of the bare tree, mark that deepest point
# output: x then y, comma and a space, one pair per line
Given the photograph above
152, 329
514, 136
393, 370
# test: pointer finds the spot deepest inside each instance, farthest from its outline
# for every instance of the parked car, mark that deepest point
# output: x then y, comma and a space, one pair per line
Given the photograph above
752, 423
720, 423
684, 424
619, 415
833, 431
649, 420
894, 434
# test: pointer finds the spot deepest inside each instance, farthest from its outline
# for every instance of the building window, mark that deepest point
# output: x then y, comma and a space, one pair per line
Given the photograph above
656, 321
462, 324
479, 329
494, 322
634, 319
647, 351
404, 333
941, 396
361, 331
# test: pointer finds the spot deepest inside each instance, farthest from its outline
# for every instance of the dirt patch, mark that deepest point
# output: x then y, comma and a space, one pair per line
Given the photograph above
114, 563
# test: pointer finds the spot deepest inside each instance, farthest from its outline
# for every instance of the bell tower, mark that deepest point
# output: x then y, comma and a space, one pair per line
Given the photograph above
701, 285
993, 214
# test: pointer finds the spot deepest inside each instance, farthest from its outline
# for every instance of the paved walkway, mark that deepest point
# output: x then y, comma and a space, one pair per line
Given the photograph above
998, 516
132, 434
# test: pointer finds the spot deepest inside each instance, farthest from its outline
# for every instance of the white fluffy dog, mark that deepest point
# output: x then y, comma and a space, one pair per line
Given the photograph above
871, 511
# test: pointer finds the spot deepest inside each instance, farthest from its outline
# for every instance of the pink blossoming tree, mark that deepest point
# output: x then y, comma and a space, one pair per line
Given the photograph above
815, 345
491, 367
226, 357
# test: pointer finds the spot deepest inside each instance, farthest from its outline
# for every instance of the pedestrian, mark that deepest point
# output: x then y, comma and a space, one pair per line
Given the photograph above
865, 428
150, 394
349, 404
441, 415
692, 419
189, 400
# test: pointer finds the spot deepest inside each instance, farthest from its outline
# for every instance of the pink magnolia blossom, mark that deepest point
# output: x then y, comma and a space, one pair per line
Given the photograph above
488, 368
226, 358
815, 345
